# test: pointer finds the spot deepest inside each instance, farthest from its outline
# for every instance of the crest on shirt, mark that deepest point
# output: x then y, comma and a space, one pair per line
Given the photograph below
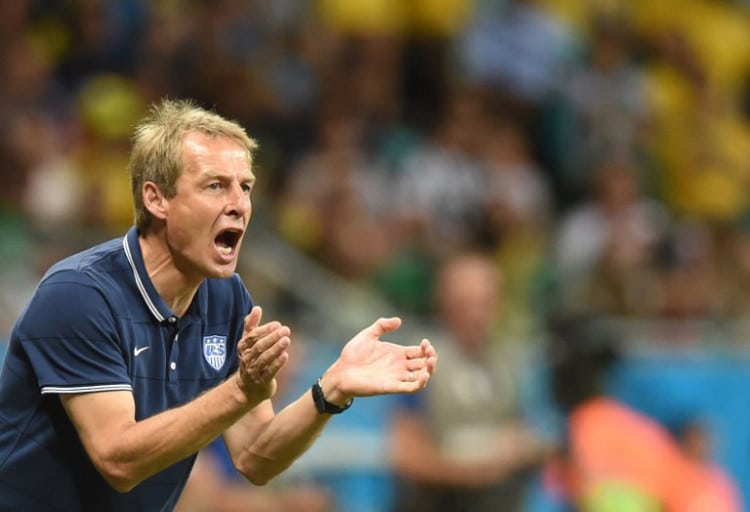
215, 350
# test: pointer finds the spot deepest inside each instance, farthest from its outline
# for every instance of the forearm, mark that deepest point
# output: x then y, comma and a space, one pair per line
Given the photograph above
263, 446
263, 450
126, 452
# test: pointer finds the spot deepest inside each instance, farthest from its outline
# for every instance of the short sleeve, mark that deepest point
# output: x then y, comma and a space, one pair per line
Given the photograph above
70, 336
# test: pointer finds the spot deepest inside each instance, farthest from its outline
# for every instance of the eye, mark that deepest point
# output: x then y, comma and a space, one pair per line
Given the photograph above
214, 185
247, 188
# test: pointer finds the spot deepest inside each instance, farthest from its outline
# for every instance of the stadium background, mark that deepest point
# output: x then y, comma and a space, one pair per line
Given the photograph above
358, 104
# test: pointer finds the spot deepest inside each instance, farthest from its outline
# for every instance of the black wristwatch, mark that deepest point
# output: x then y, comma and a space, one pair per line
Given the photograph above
324, 406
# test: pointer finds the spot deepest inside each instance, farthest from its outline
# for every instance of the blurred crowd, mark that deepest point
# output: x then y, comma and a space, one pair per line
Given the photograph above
599, 149
597, 152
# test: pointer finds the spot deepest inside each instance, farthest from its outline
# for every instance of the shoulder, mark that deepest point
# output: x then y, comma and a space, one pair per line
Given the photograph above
89, 266
83, 281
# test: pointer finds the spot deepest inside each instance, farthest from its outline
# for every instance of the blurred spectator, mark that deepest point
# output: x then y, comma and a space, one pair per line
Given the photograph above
463, 446
735, 269
336, 194
441, 192
699, 136
615, 458
715, 32
696, 441
618, 225
109, 106
517, 49
607, 96
690, 282
519, 194
440, 199
520, 206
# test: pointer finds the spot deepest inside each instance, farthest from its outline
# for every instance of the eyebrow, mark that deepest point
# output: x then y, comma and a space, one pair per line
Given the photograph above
213, 175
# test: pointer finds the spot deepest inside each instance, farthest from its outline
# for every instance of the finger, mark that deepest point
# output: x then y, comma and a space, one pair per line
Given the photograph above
431, 365
382, 326
264, 337
276, 364
412, 382
252, 320
430, 354
427, 348
415, 352
265, 367
416, 364
264, 330
249, 339
424, 349
266, 371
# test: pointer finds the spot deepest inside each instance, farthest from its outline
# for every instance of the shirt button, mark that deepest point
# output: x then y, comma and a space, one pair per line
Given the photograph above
172, 319
173, 365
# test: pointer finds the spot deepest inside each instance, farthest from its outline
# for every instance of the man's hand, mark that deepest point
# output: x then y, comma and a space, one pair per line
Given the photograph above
262, 352
369, 366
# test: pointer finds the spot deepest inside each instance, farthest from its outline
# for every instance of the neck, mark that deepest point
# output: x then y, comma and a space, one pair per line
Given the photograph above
175, 287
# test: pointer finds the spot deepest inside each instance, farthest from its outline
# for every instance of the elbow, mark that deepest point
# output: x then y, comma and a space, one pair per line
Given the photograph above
259, 480
117, 476
257, 474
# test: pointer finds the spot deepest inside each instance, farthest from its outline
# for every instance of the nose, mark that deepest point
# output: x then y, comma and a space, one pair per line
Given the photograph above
238, 202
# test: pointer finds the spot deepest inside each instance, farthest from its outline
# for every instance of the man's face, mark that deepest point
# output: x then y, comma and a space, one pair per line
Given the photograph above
207, 218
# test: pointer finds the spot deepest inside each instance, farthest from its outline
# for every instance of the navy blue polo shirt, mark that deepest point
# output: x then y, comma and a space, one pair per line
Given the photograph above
96, 323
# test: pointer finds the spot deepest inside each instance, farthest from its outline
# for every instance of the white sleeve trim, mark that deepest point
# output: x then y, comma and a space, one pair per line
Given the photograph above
46, 390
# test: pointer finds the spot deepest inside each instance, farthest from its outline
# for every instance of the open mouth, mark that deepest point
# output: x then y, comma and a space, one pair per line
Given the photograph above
226, 241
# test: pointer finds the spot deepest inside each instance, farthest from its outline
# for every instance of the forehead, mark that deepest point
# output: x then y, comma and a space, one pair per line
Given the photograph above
204, 153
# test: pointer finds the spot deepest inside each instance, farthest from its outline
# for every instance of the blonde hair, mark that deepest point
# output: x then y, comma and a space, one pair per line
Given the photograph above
156, 154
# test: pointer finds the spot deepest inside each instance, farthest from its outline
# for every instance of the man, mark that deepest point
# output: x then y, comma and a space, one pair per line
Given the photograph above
463, 444
134, 354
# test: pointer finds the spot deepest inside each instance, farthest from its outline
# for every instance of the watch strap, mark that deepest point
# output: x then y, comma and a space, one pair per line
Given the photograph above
324, 406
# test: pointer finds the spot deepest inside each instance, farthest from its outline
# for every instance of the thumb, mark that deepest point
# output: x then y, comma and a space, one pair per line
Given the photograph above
252, 320
382, 326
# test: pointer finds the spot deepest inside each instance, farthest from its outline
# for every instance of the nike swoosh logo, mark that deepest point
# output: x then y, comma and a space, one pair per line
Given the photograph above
137, 350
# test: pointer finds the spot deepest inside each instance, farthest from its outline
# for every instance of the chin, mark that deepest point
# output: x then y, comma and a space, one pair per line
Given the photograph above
224, 273
221, 272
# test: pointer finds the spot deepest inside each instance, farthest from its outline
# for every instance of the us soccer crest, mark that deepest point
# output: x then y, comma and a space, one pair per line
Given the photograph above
215, 350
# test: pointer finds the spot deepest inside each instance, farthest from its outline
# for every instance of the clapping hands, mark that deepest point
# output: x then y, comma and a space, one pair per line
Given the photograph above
263, 351
366, 366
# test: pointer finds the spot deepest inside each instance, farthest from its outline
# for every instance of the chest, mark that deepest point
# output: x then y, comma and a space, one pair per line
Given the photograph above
172, 363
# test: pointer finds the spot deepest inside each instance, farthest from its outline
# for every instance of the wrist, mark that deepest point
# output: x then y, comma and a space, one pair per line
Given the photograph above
238, 391
244, 396
330, 385
326, 405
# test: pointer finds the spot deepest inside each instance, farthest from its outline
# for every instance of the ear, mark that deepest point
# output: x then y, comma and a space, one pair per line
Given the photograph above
154, 200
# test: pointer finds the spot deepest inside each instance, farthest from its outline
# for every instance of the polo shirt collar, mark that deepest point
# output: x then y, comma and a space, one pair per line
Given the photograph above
151, 298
